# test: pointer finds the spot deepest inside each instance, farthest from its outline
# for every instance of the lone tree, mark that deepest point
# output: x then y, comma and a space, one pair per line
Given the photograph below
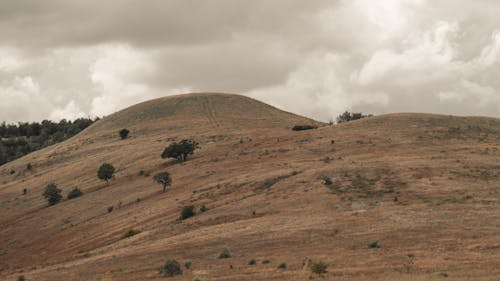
181, 150
75, 192
164, 179
52, 194
106, 172
348, 116
124, 133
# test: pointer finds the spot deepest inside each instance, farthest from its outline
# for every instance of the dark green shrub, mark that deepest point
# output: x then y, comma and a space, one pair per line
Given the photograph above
181, 150
252, 262
29, 167
21, 278
164, 179
110, 209
318, 267
171, 268
203, 208
187, 212
52, 194
12, 172
374, 244
106, 172
76, 192
124, 133
131, 233
25, 191
282, 265
303, 127
187, 264
225, 254
265, 261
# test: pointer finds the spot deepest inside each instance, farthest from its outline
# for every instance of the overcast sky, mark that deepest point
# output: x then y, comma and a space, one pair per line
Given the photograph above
68, 59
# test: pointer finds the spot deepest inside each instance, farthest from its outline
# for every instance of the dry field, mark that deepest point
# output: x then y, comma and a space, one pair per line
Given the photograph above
426, 187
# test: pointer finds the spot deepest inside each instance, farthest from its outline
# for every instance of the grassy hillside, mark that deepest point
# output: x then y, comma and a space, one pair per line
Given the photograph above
426, 187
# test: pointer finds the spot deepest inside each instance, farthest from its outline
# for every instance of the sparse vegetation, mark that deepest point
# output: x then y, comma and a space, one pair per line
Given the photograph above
124, 133
303, 127
171, 268
131, 233
252, 262
52, 194
318, 267
187, 212
110, 209
25, 191
282, 265
29, 167
21, 278
197, 279
374, 245
74, 193
203, 208
327, 180
348, 116
187, 264
106, 172
181, 150
265, 261
225, 253
164, 179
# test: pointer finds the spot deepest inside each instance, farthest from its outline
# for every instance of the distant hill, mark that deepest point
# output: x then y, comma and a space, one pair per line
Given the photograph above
424, 186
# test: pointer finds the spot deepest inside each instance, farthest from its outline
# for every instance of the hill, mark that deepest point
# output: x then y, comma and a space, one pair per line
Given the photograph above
424, 186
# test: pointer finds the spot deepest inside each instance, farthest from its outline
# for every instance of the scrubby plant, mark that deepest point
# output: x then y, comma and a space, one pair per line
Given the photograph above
282, 265
110, 209
124, 133
318, 267
181, 150
374, 245
265, 261
131, 233
52, 194
106, 172
225, 253
21, 278
327, 180
164, 179
171, 268
187, 264
197, 279
25, 191
75, 192
303, 127
203, 208
187, 212
252, 262
29, 167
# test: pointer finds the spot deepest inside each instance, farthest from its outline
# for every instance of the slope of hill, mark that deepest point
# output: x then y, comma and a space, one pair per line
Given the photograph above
426, 187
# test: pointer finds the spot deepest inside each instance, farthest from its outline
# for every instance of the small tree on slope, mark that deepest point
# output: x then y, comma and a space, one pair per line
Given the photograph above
164, 179
106, 172
181, 150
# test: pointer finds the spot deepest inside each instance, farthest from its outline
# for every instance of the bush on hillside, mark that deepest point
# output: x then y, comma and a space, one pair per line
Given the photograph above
318, 267
181, 150
124, 133
187, 212
75, 192
171, 268
52, 194
303, 127
225, 253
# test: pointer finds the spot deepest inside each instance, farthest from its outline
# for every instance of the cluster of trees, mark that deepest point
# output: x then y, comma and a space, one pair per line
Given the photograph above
17, 140
350, 116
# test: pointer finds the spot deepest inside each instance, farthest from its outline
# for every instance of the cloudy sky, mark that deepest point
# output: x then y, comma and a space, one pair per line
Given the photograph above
67, 59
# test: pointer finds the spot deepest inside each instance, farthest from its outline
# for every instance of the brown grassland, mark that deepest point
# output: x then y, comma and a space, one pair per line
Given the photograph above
426, 187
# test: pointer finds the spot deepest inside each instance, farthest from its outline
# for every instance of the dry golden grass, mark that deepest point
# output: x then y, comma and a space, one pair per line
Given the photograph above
425, 186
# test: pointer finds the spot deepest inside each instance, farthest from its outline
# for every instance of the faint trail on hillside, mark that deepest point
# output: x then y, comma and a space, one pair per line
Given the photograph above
209, 111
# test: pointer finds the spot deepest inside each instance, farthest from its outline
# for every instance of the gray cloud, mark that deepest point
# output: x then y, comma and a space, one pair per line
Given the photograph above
77, 58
